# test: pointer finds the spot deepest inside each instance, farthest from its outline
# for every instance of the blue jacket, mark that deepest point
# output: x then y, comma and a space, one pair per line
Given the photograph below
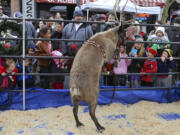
84, 32
31, 32
163, 67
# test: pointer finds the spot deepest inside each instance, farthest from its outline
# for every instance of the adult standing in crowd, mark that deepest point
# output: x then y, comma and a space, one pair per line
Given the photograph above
1, 13
50, 24
75, 31
39, 25
57, 35
174, 36
97, 27
31, 31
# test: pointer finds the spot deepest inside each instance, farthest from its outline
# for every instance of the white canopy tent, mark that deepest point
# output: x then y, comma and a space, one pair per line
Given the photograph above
107, 5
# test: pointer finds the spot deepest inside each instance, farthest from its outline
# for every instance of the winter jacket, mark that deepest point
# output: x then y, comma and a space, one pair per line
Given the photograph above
56, 44
84, 32
98, 28
163, 67
31, 33
41, 49
136, 64
154, 38
3, 69
122, 65
150, 66
174, 36
30, 80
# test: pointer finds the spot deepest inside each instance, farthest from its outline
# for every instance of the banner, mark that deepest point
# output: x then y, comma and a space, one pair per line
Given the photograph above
63, 1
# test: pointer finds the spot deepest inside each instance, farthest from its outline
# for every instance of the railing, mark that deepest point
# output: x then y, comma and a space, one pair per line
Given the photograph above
24, 56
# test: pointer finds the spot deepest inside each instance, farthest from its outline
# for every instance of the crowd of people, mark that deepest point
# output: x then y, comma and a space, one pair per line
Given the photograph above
83, 31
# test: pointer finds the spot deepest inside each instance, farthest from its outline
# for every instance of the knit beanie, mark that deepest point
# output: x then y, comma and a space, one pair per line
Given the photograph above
17, 14
97, 17
162, 29
77, 12
138, 38
153, 49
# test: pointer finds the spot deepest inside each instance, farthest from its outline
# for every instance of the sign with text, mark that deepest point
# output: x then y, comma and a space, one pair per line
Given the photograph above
29, 8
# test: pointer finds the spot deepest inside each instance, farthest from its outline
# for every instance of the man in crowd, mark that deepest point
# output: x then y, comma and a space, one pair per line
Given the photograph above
174, 36
31, 31
75, 31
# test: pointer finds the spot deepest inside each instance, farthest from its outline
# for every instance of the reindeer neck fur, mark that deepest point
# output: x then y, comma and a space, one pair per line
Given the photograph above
108, 40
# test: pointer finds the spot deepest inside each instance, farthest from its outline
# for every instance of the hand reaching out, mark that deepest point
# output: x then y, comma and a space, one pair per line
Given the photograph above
163, 59
170, 58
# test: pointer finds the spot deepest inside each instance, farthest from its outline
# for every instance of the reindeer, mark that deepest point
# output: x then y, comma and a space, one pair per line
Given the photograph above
86, 70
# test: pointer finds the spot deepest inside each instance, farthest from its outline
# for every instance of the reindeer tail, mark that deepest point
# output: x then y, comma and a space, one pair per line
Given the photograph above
75, 94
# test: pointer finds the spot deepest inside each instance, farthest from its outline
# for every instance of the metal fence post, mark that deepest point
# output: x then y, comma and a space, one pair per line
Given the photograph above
24, 15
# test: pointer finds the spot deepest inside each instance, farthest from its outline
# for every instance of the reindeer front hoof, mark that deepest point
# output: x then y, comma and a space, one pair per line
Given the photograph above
100, 129
79, 124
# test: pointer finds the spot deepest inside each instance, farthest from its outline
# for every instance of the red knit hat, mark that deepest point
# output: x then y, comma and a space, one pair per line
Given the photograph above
153, 49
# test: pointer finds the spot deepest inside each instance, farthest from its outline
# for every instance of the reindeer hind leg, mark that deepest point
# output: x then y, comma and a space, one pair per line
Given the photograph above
75, 112
93, 117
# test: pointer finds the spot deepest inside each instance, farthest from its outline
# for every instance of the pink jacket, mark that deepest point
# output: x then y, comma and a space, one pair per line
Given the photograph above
122, 65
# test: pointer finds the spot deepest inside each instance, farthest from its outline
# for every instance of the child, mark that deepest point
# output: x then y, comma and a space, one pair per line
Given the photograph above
44, 48
137, 50
164, 64
150, 66
29, 80
120, 66
160, 36
57, 67
8, 67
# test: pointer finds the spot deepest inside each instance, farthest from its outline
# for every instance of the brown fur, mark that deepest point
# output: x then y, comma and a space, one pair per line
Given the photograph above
86, 70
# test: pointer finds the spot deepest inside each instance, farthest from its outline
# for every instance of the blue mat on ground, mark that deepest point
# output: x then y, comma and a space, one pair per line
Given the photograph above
56, 98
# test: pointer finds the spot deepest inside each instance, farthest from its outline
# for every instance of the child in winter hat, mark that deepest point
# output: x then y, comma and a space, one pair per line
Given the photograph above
153, 49
165, 64
159, 36
150, 66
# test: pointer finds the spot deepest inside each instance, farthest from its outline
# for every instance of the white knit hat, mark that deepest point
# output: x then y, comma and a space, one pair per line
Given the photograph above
162, 29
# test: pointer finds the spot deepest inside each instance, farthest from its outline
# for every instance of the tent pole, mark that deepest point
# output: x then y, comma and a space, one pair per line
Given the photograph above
87, 18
